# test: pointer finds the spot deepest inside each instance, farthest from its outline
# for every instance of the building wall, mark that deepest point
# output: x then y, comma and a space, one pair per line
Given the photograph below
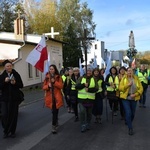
55, 50
21, 66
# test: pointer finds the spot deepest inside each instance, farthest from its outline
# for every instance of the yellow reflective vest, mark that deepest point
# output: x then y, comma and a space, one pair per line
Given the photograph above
99, 86
116, 82
82, 94
143, 78
73, 85
64, 78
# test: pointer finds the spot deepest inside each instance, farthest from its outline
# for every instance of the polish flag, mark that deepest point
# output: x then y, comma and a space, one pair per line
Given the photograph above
38, 55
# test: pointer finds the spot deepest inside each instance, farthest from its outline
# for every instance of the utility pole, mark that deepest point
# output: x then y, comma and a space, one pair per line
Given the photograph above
85, 38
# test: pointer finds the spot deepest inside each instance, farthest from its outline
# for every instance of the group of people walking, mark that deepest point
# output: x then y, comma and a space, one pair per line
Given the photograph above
84, 95
123, 88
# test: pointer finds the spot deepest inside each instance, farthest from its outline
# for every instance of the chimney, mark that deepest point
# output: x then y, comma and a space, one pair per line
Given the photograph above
19, 28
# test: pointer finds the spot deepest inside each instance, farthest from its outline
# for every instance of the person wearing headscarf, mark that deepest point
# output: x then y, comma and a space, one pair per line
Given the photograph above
10, 83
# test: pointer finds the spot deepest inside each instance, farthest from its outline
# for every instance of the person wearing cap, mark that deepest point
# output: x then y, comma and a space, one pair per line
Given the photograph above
87, 88
10, 83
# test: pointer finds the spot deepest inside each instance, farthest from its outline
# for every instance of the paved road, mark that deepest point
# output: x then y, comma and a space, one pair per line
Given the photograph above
36, 133
107, 136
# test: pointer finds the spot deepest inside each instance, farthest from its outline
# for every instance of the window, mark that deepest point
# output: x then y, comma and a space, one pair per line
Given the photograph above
30, 74
36, 72
95, 46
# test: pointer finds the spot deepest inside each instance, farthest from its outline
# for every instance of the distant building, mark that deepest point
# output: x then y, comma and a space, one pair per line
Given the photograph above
117, 55
97, 50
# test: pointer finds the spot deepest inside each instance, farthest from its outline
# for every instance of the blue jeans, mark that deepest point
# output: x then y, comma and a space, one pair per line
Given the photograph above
129, 108
143, 97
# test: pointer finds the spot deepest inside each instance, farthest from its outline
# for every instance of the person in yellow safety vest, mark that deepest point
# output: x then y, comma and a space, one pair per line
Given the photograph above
66, 73
72, 92
62, 70
67, 89
64, 76
98, 103
130, 89
143, 77
122, 73
87, 88
112, 83
148, 73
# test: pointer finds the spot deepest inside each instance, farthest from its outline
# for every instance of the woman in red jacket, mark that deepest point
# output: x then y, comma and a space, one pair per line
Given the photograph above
53, 85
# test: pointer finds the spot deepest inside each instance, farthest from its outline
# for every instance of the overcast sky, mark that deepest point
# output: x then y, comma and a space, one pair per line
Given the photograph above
116, 18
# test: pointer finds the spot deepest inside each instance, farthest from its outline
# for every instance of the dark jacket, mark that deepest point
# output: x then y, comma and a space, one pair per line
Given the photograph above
10, 92
71, 92
103, 85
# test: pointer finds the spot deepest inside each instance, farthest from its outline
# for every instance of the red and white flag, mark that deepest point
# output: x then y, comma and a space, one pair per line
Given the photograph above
38, 55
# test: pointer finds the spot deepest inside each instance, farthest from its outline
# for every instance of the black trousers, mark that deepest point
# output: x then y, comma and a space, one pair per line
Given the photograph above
55, 117
74, 103
54, 114
9, 120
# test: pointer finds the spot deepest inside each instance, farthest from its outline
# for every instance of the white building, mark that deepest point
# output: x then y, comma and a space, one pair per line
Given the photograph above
97, 49
17, 46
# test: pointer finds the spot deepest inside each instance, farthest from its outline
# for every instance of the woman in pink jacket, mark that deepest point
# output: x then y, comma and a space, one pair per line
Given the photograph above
53, 85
